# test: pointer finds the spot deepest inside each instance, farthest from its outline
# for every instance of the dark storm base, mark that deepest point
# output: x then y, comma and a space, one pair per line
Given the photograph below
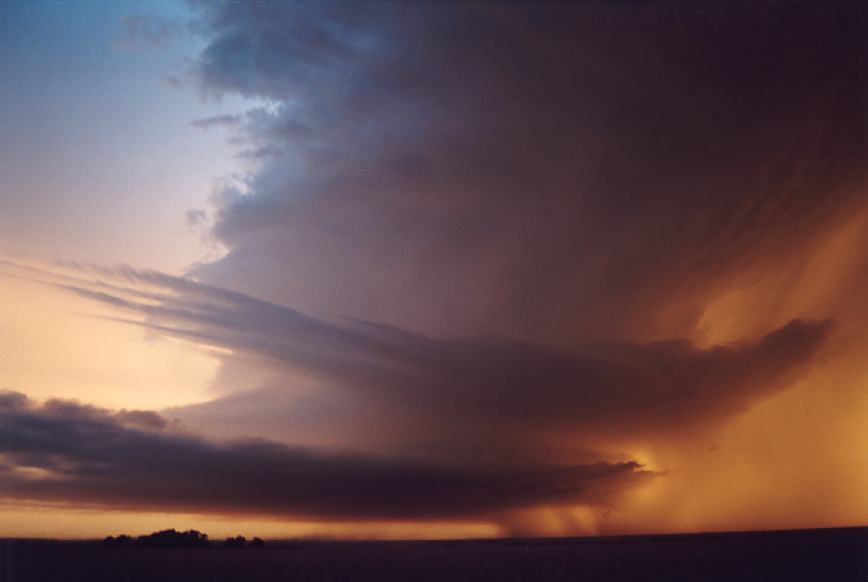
815, 555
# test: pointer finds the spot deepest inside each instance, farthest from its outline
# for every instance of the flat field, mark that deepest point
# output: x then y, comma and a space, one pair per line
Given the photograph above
810, 555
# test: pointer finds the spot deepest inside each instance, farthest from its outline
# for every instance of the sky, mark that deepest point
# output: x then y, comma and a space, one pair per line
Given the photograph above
427, 270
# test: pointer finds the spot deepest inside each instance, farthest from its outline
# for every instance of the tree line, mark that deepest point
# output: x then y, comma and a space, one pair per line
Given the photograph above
169, 538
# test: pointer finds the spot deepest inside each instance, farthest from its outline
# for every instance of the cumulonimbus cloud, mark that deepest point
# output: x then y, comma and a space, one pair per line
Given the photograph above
482, 231
561, 174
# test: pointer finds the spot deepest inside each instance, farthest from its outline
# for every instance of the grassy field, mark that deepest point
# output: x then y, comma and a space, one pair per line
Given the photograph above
815, 555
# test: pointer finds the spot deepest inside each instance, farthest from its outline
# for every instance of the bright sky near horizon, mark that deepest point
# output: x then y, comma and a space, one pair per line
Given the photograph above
430, 269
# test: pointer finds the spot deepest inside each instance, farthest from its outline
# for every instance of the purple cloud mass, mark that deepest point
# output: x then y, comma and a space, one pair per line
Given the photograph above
131, 460
475, 232
536, 172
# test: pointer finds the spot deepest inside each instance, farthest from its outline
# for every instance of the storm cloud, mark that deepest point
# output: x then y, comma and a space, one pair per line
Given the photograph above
553, 172
65, 452
484, 254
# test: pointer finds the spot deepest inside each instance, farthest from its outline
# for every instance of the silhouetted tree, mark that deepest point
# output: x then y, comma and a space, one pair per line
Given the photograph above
121, 541
236, 542
170, 538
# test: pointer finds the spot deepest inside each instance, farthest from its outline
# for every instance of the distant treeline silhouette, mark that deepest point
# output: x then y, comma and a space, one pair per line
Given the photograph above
169, 538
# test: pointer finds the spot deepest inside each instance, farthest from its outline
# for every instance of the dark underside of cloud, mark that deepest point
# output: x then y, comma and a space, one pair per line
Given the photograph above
65, 452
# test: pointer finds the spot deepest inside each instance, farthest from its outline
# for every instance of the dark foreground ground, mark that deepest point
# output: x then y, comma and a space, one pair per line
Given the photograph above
815, 555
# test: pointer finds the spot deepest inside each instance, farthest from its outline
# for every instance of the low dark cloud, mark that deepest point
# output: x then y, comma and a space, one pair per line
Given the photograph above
92, 456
